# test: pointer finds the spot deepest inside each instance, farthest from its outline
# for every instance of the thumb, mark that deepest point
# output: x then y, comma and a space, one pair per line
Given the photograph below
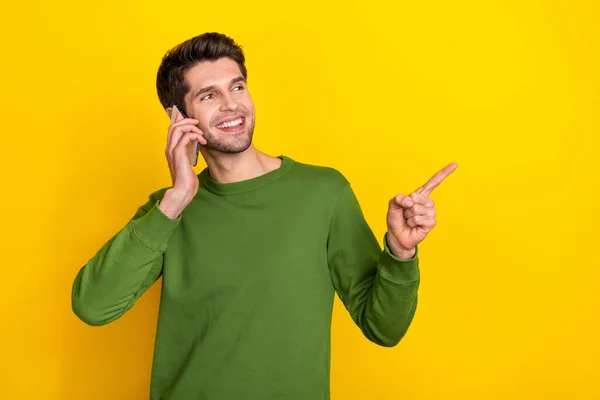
402, 201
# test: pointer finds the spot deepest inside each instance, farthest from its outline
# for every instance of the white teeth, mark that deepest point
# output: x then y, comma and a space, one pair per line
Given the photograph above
230, 124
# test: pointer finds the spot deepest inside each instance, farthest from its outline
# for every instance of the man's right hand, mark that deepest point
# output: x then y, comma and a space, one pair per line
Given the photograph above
185, 180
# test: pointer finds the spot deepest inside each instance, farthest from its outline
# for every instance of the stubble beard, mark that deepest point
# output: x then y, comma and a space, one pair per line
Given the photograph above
232, 144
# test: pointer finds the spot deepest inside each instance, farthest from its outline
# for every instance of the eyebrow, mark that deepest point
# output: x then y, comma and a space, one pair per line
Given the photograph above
211, 87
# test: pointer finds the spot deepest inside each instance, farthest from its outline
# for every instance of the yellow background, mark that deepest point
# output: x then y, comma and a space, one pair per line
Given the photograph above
386, 92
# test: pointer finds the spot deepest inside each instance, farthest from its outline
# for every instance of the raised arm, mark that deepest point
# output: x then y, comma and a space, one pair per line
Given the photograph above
378, 289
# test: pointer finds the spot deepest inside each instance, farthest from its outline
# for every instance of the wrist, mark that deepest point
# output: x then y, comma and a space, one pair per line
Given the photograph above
404, 254
173, 203
399, 251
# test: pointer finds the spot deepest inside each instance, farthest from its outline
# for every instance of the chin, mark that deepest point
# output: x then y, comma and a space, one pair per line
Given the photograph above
229, 148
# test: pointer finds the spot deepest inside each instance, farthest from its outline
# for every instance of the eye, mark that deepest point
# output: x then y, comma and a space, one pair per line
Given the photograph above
205, 96
240, 87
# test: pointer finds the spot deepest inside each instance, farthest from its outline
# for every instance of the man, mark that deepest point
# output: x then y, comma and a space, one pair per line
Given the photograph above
251, 250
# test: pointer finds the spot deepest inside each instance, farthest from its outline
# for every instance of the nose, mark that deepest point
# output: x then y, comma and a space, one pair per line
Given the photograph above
228, 103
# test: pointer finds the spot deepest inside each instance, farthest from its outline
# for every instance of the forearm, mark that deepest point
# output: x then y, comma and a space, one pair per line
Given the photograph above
403, 254
391, 302
111, 281
397, 250
174, 202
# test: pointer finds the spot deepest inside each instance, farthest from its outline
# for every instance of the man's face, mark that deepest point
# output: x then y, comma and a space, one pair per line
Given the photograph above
219, 94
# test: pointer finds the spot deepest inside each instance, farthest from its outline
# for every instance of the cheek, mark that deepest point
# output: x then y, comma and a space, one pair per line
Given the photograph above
248, 103
205, 117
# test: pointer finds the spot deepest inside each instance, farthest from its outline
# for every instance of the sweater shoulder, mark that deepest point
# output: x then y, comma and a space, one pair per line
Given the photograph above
321, 176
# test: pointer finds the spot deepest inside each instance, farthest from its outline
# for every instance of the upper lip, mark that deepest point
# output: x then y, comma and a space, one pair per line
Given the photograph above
230, 119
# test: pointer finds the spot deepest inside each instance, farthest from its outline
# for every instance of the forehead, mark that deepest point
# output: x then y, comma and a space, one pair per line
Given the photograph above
218, 72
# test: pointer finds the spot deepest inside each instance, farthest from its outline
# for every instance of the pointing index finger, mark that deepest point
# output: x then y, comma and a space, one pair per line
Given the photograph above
435, 180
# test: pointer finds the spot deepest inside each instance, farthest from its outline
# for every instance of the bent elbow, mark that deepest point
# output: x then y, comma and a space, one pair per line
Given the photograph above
387, 341
89, 315
389, 335
86, 310
393, 341
86, 315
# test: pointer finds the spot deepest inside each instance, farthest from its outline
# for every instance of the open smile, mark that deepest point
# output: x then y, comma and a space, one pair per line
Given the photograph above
233, 126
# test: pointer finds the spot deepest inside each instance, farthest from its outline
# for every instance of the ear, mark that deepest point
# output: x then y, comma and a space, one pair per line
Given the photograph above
168, 110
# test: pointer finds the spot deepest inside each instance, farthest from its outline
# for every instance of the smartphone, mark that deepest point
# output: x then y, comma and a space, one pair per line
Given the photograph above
193, 147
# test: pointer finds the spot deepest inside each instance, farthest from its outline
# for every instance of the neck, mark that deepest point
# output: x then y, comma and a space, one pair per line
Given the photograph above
229, 168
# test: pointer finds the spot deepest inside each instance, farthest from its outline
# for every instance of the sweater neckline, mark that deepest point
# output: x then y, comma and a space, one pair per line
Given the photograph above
246, 185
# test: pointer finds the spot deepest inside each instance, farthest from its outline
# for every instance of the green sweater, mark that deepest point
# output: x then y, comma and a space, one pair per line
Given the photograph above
249, 271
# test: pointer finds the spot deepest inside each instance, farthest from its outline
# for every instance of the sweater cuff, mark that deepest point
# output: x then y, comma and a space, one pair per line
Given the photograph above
154, 228
396, 270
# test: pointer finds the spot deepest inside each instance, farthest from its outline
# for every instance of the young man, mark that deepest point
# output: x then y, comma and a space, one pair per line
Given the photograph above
251, 250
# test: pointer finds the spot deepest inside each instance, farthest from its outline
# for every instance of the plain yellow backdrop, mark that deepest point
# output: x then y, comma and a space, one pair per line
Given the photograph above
387, 92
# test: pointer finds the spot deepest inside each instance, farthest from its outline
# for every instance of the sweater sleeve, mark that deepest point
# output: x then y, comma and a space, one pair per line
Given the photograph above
124, 268
378, 289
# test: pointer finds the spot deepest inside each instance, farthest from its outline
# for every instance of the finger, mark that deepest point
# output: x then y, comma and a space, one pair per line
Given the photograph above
178, 133
419, 209
185, 140
398, 201
419, 198
421, 221
184, 121
411, 222
180, 121
435, 180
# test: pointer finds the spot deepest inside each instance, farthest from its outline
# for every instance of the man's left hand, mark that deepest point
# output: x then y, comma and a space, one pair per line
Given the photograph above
410, 218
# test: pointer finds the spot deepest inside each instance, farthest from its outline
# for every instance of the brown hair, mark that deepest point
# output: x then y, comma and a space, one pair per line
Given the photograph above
210, 46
